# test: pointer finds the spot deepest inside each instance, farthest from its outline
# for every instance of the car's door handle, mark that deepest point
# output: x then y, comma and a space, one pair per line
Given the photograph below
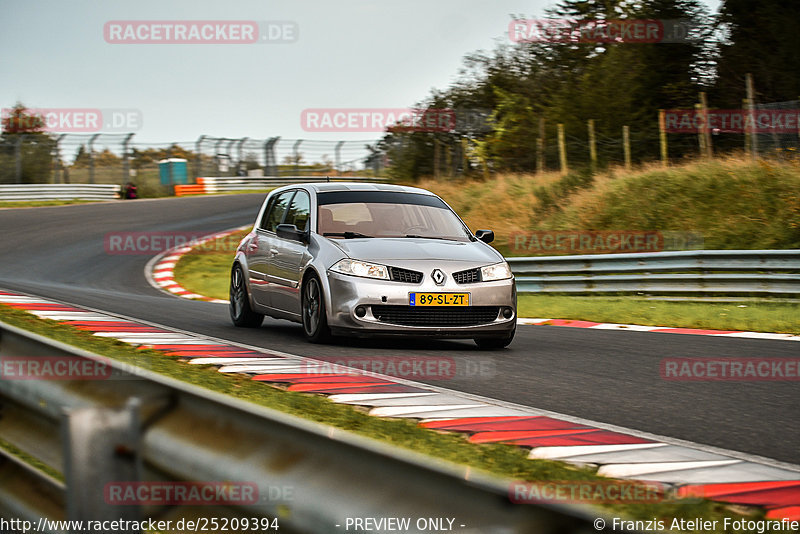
252, 247
273, 251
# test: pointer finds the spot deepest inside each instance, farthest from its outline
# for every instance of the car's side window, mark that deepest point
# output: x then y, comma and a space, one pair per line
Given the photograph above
274, 212
299, 211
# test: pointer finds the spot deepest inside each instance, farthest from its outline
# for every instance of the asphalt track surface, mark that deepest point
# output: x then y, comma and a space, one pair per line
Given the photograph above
607, 376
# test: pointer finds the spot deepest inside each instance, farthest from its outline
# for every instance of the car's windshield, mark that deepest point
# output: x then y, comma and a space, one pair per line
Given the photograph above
354, 214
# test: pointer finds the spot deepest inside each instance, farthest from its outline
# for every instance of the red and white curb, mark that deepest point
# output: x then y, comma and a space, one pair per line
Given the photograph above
620, 453
659, 329
159, 271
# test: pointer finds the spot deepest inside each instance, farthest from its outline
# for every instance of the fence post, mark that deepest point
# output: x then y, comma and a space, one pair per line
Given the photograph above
91, 157
662, 136
706, 131
126, 163
626, 146
751, 107
562, 149
701, 139
338, 153
435, 158
540, 148
217, 154
592, 145
746, 105
57, 155
464, 156
296, 152
240, 155
198, 160
270, 164
18, 158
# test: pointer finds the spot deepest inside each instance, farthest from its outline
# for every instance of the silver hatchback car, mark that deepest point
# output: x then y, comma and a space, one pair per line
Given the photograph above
371, 259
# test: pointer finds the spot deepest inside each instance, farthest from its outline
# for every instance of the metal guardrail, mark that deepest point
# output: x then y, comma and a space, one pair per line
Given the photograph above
225, 184
139, 425
765, 272
9, 192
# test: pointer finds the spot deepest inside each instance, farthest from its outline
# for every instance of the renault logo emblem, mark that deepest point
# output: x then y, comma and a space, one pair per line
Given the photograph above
438, 277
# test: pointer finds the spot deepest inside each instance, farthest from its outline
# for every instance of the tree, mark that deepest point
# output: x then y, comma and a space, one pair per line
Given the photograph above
25, 148
763, 39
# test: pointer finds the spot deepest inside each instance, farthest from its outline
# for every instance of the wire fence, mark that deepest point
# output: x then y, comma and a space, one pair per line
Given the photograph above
118, 158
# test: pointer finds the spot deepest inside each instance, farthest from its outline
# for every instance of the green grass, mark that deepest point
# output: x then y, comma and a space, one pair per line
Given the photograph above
732, 203
756, 316
40, 203
206, 269
498, 459
31, 460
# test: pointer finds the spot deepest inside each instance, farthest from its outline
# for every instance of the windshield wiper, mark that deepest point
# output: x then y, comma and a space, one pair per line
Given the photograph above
429, 237
346, 235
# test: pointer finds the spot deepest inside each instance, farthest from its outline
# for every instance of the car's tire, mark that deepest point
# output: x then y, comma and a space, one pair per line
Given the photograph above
241, 313
494, 343
315, 318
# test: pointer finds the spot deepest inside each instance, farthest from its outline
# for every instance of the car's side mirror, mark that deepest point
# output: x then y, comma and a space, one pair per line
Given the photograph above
290, 231
487, 236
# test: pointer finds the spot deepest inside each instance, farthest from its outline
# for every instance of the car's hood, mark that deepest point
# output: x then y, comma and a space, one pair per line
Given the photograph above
386, 249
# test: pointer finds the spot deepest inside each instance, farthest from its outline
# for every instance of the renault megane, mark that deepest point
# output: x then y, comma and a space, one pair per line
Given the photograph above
371, 259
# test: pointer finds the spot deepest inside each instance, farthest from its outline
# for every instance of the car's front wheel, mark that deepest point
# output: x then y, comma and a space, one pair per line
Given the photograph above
241, 313
491, 343
315, 320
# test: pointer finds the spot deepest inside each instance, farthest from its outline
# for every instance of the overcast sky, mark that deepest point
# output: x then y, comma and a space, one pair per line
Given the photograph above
345, 54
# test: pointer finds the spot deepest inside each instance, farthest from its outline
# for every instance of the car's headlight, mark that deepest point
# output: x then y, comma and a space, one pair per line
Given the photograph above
498, 271
361, 268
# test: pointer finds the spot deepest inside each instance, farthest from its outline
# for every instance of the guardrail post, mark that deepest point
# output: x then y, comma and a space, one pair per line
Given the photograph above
100, 456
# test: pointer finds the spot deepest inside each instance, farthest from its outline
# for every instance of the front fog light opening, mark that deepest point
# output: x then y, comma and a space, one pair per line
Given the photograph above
508, 313
361, 311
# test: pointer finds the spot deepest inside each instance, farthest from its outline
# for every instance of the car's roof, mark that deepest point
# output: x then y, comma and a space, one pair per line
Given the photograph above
360, 186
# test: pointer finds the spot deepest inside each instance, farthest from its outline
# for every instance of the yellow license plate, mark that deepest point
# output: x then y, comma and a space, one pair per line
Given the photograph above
438, 299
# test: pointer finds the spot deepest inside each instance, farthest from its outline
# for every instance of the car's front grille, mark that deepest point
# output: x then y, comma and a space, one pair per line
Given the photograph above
435, 315
405, 275
470, 276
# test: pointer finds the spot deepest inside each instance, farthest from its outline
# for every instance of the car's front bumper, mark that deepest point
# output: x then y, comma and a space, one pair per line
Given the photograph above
347, 293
